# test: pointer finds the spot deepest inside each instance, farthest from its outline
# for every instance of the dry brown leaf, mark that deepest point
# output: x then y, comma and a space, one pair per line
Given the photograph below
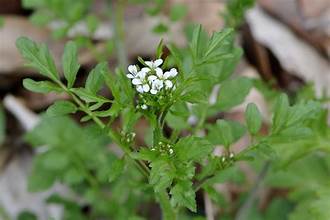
295, 55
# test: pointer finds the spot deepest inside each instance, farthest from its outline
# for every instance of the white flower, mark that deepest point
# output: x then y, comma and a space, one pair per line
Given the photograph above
166, 76
152, 78
141, 82
171, 74
133, 71
143, 88
144, 106
168, 84
154, 64
156, 86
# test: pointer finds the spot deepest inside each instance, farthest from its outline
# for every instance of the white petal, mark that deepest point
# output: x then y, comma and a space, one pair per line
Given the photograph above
145, 69
157, 84
173, 72
130, 76
153, 91
146, 88
132, 69
167, 75
152, 78
159, 72
139, 89
161, 84
141, 75
168, 84
158, 62
149, 63
144, 106
136, 81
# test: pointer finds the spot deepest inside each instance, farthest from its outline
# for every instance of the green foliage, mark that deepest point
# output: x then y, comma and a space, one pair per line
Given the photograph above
61, 108
178, 11
184, 195
70, 63
185, 129
225, 132
38, 57
192, 149
253, 118
26, 215
233, 93
41, 86
235, 9
67, 12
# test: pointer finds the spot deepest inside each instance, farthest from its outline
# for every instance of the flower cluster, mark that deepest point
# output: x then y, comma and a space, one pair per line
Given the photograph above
151, 79
164, 148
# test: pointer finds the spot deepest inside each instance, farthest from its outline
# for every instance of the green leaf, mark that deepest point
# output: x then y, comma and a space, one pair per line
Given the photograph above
161, 175
216, 135
95, 78
233, 92
38, 57
176, 53
116, 169
111, 83
253, 118
2, 125
183, 194
178, 11
160, 28
26, 215
40, 18
73, 176
195, 41
281, 110
225, 134
192, 148
195, 96
88, 96
70, 63
40, 179
61, 108
159, 50
217, 40
92, 23
41, 86
145, 154
54, 160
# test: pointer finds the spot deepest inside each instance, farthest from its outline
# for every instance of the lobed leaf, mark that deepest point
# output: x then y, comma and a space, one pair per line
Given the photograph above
62, 107
95, 78
253, 118
233, 92
183, 194
38, 57
70, 63
41, 86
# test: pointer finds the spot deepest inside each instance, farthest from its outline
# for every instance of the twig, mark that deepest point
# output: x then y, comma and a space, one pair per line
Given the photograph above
117, 12
26, 117
245, 208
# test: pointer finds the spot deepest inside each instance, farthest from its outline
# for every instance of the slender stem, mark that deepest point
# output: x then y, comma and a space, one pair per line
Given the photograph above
117, 12
246, 207
168, 213
201, 183
143, 168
